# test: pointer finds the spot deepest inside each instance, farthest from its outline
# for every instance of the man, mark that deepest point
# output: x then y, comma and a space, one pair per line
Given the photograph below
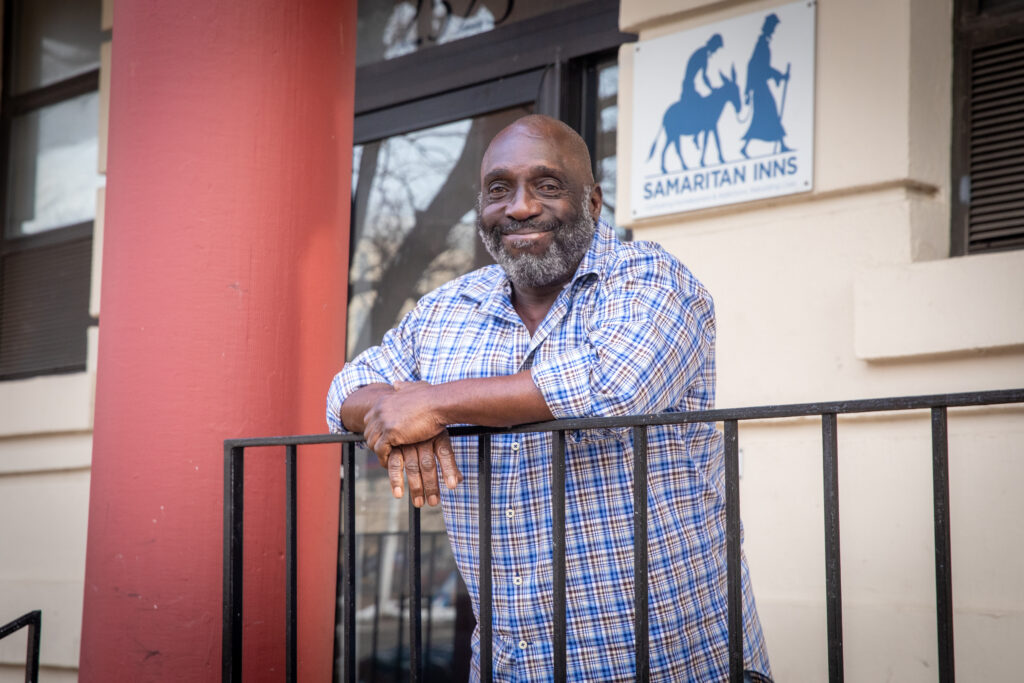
766, 123
570, 323
698, 65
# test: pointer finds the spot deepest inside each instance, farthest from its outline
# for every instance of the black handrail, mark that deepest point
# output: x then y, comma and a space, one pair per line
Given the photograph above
34, 621
938, 404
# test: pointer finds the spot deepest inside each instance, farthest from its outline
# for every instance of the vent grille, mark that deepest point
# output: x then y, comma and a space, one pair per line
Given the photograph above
996, 143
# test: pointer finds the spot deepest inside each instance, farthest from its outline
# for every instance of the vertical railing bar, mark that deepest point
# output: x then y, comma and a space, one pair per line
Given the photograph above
558, 552
290, 562
35, 626
734, 586
401, 628
348, 484
231, 635
415, 596
833, 583
640, 616
484, 519
376, 606
430, 592
943, 560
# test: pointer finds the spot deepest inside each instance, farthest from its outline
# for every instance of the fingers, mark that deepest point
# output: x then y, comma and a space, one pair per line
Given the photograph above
420, 462
412, 474
428, 472
396, 465
376, 442
446, 458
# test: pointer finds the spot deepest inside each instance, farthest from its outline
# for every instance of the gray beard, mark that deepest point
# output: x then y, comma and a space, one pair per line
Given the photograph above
570, 242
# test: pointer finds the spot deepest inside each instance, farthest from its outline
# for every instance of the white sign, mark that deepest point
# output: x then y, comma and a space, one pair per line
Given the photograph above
724, 113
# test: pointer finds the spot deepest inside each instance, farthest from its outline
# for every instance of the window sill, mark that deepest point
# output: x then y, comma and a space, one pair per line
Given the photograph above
44, 405
955, 305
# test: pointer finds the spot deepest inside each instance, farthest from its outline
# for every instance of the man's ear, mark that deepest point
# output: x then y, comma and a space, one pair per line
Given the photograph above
595, 201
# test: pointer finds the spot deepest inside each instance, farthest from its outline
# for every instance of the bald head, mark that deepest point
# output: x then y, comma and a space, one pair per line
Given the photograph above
565, 144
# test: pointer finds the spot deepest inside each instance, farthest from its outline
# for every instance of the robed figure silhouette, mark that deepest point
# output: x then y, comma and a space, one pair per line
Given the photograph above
766, 123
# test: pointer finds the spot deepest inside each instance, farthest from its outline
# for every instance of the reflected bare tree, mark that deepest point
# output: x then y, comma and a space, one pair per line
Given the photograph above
397, 262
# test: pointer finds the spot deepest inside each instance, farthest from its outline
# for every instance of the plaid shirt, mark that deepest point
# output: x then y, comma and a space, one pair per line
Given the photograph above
633, 332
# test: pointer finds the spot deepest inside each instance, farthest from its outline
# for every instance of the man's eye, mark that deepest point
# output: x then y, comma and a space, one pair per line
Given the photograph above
496, 191
549, 187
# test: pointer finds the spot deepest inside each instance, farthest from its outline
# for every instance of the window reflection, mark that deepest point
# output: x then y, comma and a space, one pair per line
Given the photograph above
415, 219
392, 28
54, 40
52, 173
607, 125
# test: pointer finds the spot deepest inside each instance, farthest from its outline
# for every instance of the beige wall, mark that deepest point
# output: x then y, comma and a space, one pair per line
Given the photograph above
847, 292
45, 456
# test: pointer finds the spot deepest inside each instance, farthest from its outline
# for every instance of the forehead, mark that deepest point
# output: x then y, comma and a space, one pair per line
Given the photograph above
518, 150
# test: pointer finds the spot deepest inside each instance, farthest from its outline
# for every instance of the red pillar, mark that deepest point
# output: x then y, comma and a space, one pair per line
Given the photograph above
222, 315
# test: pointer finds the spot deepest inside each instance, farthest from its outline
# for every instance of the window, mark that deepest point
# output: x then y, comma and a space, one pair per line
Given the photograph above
435, 82
988, 126
48, 180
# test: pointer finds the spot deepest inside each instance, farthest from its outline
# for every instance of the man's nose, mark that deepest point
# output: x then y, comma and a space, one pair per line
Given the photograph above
522, 206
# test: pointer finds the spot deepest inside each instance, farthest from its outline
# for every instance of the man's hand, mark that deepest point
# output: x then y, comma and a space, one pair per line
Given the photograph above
404, 416
420, 462
399, 423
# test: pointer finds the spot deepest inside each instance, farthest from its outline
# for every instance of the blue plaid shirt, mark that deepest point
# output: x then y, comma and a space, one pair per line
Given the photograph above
633, 332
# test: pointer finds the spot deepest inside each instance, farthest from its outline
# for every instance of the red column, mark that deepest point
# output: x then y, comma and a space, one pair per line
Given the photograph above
222, 315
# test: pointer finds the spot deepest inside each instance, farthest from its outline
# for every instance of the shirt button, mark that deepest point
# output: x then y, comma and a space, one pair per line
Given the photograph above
510, 513
515, 446
522, 644
518, 580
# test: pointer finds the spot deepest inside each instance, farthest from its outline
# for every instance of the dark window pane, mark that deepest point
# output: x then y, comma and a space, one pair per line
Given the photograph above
52, 176
54, 40
415, 219
44, 301
996, 6
392, 28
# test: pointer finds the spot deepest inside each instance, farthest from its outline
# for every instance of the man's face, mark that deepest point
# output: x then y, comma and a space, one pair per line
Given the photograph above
536, 218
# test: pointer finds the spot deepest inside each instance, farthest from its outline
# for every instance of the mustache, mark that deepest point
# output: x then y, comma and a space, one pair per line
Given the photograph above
527, 226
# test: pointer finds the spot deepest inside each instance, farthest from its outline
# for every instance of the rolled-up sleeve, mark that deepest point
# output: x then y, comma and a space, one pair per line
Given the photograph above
651, 337
393, 361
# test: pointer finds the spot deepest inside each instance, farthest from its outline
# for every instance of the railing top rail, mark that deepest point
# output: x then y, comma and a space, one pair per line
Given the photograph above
27, 619
869, 405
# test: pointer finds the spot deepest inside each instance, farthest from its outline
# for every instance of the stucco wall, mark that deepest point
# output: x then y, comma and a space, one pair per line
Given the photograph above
45, 458
847, 292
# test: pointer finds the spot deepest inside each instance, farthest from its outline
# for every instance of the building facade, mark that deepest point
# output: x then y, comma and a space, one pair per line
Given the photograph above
901, 272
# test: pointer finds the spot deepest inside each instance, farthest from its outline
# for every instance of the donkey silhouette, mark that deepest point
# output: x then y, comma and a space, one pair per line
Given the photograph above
694, 117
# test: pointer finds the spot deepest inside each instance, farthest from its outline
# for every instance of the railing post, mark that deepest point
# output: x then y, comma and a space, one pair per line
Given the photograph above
291, 563
734, 595
33, 621
833, 584
558, 552
231, 636
415, 595
484, 519
640, 616
348, 486
430, 592
35, 626
943, 560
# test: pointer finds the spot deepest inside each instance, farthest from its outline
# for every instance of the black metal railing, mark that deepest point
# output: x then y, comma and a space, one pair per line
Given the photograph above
34, 621
234, 451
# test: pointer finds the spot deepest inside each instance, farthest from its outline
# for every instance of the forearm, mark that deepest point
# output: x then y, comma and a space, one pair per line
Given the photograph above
359, 402
491, 401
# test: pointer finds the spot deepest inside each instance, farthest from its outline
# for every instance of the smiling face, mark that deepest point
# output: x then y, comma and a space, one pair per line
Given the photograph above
538, 202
